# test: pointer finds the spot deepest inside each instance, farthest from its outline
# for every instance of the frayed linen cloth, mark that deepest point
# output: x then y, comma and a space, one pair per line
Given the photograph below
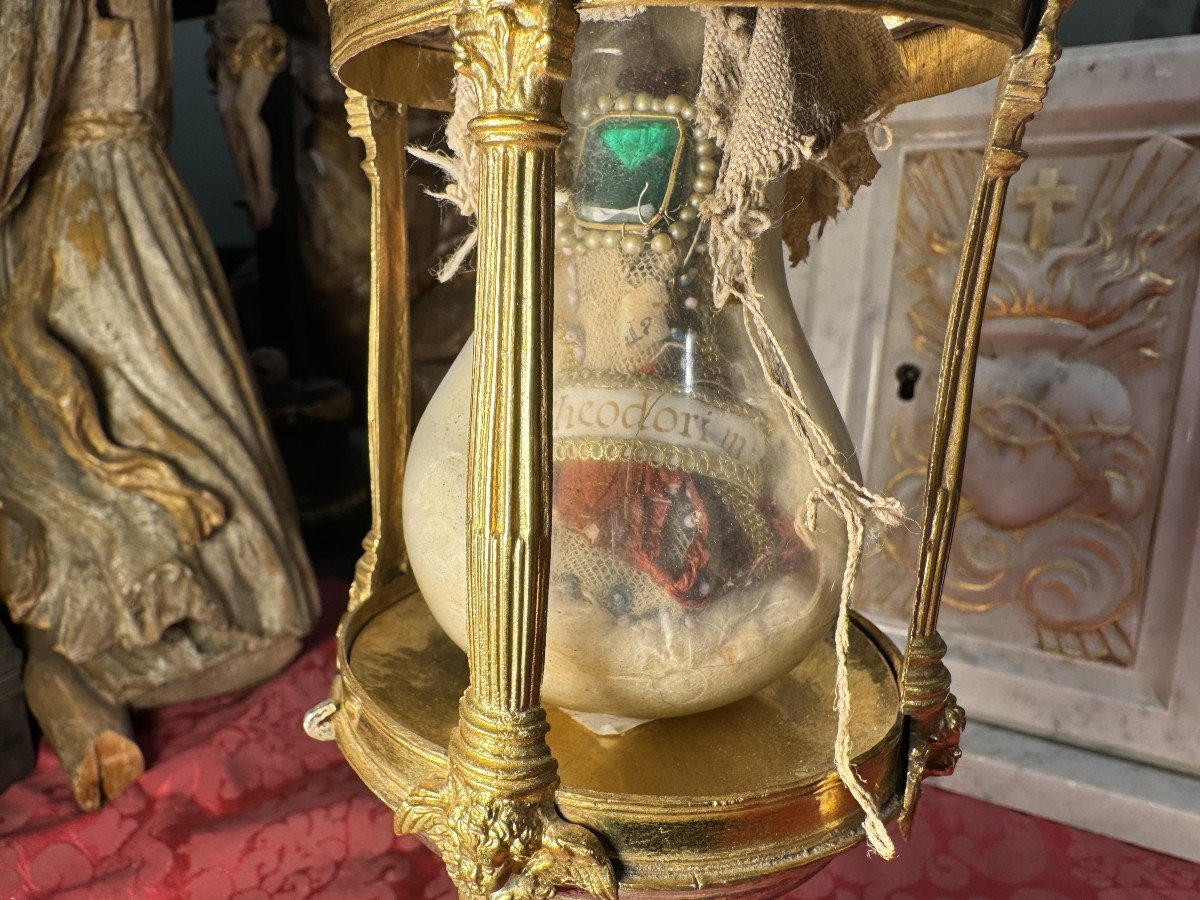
793, 92
788, 92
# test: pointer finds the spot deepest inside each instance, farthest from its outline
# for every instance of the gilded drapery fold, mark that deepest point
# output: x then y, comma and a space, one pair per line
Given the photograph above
145, 518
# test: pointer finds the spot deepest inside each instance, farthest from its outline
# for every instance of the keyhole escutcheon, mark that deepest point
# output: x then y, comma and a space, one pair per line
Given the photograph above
908, 375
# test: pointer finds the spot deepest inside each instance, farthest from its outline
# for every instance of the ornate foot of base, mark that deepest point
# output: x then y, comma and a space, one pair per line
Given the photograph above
932, 755
493, 820
92, 738
935, 719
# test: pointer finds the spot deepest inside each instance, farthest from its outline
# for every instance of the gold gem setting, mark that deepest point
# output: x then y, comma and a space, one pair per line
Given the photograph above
668, 229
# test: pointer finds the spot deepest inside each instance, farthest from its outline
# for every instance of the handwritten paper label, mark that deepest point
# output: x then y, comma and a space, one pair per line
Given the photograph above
663, 417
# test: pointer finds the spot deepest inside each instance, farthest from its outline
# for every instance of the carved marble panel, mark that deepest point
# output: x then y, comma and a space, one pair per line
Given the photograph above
1072, 606
1081, 354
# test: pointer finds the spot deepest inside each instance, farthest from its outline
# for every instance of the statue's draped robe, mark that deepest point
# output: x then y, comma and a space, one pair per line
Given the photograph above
145, 518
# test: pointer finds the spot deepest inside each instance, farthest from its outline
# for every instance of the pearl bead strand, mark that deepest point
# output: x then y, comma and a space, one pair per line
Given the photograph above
667, 233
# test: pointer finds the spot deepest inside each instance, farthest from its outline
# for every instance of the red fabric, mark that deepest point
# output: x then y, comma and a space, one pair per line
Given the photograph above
624, 508
238, 802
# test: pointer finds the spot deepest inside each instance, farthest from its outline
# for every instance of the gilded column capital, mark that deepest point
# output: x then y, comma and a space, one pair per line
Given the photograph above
358, 118
1023, 90
516, 54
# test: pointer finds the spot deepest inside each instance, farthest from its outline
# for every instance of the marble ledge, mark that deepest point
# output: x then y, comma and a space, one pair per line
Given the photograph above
1130, 801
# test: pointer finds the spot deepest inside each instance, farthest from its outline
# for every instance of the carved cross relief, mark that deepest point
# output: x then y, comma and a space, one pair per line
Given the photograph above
1043, 200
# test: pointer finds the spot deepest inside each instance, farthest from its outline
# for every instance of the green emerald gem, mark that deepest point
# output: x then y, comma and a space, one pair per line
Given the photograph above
626, 168
634, 143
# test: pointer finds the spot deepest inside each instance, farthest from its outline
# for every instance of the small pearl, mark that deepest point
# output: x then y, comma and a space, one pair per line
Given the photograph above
642, 102
688, 214
566, 251
678, 231
585, 115
694, 201
623, 103
702, 185
631, 244
673, 104
687, 277
687, 112
581, 247
662, 243
610, 239
566, 239
706, 166
706, 147
701, 249
592, 241
604, 103
691, 303
656, 105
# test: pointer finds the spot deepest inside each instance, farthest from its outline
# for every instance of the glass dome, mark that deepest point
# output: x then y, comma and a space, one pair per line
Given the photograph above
683, 576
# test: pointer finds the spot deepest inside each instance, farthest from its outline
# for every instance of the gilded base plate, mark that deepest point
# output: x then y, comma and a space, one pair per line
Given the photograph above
739, 802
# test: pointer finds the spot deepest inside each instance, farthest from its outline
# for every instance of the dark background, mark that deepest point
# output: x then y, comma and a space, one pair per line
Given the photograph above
198, 146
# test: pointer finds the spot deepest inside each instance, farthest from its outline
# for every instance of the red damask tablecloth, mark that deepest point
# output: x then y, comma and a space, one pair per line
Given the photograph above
237, 802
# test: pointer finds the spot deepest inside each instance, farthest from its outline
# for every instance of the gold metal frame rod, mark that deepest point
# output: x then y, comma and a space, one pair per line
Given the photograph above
936, 718
383, 129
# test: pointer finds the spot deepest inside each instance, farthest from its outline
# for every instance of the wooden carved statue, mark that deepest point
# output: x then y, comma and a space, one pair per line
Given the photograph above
147, 535
300, 172
253, 42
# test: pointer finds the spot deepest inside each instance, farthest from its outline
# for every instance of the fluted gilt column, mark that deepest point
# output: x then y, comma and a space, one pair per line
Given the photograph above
493, 819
